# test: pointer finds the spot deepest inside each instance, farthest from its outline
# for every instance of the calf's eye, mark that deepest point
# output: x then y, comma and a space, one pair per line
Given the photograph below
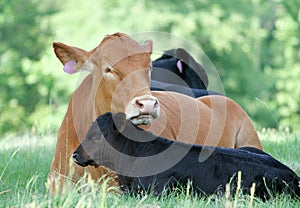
95, 136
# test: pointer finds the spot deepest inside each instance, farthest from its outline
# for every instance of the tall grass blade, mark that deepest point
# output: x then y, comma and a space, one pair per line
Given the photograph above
11, 157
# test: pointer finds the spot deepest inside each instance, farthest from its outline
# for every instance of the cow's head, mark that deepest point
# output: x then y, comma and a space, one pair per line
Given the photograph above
120, 70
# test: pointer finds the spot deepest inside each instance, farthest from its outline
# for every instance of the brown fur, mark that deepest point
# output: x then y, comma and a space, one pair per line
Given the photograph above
210, 120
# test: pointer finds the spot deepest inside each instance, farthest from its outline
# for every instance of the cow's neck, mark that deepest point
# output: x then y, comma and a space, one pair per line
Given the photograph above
101, 98
89, 102
83, 107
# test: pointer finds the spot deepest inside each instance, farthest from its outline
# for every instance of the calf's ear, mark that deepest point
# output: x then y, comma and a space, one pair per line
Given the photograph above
119, 122
71, 57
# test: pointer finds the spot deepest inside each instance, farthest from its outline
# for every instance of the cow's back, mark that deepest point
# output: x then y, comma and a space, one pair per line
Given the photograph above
210, 120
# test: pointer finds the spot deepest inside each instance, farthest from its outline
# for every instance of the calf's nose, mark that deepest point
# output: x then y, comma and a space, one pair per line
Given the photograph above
75, 155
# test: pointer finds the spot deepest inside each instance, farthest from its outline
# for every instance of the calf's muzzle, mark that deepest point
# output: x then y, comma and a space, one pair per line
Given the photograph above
82, 158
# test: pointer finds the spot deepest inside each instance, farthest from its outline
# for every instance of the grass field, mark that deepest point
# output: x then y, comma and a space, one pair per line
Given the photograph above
25, 161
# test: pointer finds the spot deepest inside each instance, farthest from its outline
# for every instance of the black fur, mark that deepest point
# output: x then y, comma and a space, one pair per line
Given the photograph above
109, 143
165, 70
192, 92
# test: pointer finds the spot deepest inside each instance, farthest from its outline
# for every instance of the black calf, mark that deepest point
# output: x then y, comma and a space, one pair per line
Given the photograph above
177, 66
192, 92
145, 162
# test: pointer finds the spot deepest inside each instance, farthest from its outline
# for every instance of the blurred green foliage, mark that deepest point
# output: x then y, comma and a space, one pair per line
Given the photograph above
254, 45
24, 37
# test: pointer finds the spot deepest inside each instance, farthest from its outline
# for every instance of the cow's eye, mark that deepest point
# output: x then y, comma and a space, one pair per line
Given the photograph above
107, 69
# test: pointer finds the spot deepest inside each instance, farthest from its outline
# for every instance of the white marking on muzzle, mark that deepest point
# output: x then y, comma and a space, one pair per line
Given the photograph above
143, 109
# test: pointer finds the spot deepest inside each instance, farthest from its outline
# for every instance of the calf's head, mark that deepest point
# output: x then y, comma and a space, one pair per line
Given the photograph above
182, 64
120, 69
101, 143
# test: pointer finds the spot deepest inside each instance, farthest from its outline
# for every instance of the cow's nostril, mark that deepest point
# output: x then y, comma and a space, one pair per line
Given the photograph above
139, 104
146, 104
156, 104
74, 155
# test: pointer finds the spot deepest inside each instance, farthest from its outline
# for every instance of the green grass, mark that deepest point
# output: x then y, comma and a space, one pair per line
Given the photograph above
25, 162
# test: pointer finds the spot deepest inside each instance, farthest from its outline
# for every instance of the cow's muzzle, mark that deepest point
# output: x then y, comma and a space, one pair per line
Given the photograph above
143, 110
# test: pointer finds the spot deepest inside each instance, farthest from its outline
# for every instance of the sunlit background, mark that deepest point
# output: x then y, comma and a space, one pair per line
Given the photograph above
253, 44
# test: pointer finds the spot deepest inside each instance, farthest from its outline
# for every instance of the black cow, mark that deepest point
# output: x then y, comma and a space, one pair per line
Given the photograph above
177, 66
146, 163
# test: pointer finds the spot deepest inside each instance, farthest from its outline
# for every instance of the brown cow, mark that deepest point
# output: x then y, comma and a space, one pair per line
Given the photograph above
120, 82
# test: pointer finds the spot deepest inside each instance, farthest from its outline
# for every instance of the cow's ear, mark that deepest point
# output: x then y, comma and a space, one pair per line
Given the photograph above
72, 58
119, 122
148, 46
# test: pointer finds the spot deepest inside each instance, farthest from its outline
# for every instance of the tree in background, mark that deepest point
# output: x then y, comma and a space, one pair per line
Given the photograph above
287, 97
254, 45
24, 35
